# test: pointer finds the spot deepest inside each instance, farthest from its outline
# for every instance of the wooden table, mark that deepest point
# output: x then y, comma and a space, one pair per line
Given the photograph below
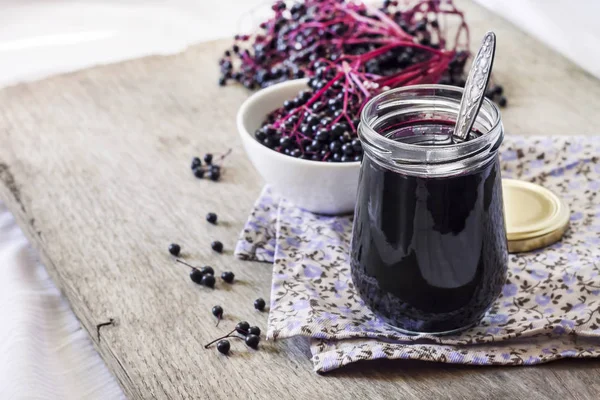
95, 165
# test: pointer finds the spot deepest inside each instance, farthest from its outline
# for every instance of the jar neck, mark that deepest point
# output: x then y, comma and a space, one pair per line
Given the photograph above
409, 130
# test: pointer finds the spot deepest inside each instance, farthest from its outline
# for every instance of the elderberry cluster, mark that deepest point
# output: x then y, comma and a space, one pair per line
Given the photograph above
350, 53
249, 334
319, 130
209, 169
289, 43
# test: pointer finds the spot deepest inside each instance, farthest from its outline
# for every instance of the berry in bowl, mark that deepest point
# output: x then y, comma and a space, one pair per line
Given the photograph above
316, 170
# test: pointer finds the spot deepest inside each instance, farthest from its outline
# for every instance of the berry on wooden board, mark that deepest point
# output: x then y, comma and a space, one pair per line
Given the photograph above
242, 327
260, 304
228, 276
174, 249
196, 276
208, 280
211, 217
217, 246
254, 330
207, 270
223, 346
252, 341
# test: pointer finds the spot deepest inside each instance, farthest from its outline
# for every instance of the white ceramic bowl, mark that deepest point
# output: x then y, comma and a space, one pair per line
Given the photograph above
320, 187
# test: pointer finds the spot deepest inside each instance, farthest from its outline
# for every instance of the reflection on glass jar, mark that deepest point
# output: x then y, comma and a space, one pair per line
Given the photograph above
429, 248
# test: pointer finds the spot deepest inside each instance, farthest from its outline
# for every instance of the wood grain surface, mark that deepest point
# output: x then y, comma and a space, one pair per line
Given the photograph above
95, 165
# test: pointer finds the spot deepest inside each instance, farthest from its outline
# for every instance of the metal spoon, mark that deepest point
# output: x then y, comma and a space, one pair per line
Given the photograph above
474, 92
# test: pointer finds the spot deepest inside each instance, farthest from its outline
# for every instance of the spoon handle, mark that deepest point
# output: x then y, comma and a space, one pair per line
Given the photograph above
477, 82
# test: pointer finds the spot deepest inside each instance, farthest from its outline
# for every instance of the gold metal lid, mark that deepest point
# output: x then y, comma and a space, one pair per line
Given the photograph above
535, 217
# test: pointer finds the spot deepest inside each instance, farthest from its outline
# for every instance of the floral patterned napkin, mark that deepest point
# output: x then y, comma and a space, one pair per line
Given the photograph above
549, 307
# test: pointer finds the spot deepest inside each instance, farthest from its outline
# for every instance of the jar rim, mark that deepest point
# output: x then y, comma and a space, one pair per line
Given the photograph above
441, 159
371, 103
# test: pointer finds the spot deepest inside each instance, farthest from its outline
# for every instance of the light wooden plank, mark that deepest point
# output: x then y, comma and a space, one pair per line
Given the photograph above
95, 165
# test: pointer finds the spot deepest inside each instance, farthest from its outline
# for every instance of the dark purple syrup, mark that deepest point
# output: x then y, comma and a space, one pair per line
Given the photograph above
429, 254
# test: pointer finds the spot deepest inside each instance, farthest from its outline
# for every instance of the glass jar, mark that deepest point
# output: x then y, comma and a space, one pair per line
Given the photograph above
429, 250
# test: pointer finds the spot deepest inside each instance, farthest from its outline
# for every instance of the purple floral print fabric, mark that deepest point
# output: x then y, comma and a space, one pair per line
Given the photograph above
549, 307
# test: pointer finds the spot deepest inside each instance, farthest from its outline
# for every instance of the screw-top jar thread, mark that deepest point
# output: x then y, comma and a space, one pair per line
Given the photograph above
425, 115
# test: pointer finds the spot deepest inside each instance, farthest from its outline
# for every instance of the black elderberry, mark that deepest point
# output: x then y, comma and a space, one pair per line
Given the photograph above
223, 346
502, 101
269, 142
217, 246
196, 162
322, 135
259, 304
211, 217
337, 129
214, 175
335, 146
208, 158
207, 270
347, 149
260, 135
325, 121
228, 276
242, 328
174, 249
252, 341
289, 105
196, 276
254, 330
285, 142
208, 280
316, 105
217, 311
296, 153
311, 120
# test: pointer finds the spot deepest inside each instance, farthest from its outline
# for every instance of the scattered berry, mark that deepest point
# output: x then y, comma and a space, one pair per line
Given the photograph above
211, 217
208, 280
242, 327
502, 101
174, 249
223, 346
217, 246
207, 270
217, 311
196, 162
214, 175
252, 341
228, 276
254, 330
196, 276
259, 304
208, 158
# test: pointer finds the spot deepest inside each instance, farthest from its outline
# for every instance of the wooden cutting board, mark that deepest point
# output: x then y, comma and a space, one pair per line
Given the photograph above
95, 165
